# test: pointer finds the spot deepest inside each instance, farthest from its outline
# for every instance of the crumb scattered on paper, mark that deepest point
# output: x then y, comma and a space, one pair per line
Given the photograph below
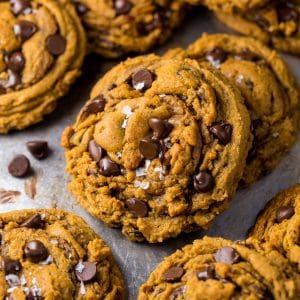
8, 196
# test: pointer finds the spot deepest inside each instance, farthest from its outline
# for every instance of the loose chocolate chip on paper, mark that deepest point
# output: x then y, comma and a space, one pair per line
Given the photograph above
223, 132
142, 80
96, 151
285, 212
35, 251
86, 271
19, 166
161, 128
25, 29
19, 6
149, 148
227, 255
56, 44
35, 222
39, 149
137, 207
203, 182
11, 266
109, 167
15, 61
205, 273
122, 7
173, 274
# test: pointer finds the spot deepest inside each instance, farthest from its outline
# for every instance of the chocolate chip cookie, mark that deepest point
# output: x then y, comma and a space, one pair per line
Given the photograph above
159, 148
214, 268
118, 27
42, 46
278, 224
276, 23
51, 254
270, 91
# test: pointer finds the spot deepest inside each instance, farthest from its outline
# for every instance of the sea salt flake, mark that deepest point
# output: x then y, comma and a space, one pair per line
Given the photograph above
10, 290
12, 280
275, 135
54, 242
23, 280
82, 288
143, 185
127, 111
240, 78
119, 154
139, 172
80, 267
47, 261
124, 124
139, 86
168, 143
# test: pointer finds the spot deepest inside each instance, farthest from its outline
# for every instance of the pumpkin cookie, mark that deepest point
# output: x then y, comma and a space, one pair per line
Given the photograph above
275, 23
270, 91
118, 27
159, 147
51, 254
42, 46
214, 268
279, 223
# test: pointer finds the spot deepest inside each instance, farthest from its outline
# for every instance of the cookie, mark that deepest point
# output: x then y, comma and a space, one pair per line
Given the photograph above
278, 224
275, 23
119, 27
159, 147
51, 254
270, 91
42, 46
214, 268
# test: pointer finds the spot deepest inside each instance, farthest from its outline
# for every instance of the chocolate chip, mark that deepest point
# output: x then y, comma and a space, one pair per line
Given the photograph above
216, 56
149, 148
32, 295
206, 273
285, 212
95, 106
161, 128
96, 151
39, 149
81, 8
137, 207
286, 12
25, 29
223, 132
142, 80
14, 79
109, 167
173, 274
227, 255
15, 61
122, 7
35, 251
56, 44
246, 54
86, 271
180, 291
11, 266
2, 90
157, 22
203, 182
19, 6
34, 222
19, 166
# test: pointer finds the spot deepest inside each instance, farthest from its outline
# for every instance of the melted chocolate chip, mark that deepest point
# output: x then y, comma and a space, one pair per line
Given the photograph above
25, 29
149, 148
216, 56
11, 266
161, 128
86, 271
35, 251
203, 182
142, 80
34, 222
109, 167
19, 6
285, 212
227, 255
137, 207
39, 149
173, 274
95, 106
223, 132
19, 166
122, 7
96, 151
81, 8
206, 273
56, 44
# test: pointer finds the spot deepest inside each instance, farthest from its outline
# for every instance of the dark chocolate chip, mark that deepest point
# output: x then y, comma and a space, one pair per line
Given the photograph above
56, 44
216, 56
122, 7
25, 29
35, 251
95, 106
86, 271
32, 295
96, 151
246, 54
11, 266
142, 80
19, 6
19, 166
109, 167
149, 148
14, 79
15, 61
203, 182
157, 22
227, 255
206, 273
81, 8
286, 12
161, 128
285, 212
39, 149
34, 222
178, 292
223, 132
137, 207
173, 274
